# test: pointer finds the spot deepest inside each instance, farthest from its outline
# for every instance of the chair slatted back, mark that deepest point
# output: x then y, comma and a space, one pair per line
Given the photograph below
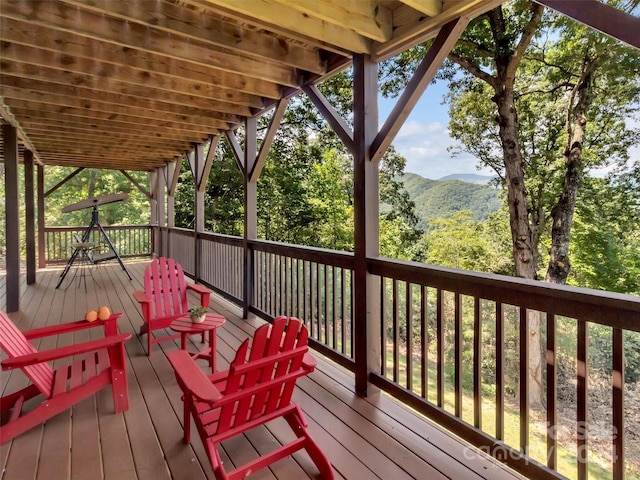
14, 344
164, 284
265, 381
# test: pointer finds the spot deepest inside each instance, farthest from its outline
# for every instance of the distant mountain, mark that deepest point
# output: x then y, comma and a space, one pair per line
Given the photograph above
439, 198
469, 177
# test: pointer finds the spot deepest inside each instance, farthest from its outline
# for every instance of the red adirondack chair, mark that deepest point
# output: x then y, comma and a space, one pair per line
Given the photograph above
65, 386
165, 298
252, 392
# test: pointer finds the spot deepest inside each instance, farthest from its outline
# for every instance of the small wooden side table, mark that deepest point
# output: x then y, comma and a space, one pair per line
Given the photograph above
186, 327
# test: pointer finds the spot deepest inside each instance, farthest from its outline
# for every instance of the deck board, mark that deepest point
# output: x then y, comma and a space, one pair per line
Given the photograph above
364, 438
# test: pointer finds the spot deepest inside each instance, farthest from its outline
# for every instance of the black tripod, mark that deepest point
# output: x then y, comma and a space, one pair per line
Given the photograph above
95, 222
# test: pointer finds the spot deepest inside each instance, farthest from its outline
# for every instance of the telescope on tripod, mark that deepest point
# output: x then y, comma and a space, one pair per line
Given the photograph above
81, 248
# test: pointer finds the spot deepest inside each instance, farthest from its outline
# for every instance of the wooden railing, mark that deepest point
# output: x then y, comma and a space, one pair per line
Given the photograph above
453, 345
129, 241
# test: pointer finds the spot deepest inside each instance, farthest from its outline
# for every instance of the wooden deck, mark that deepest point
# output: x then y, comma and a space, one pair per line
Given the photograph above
367, 438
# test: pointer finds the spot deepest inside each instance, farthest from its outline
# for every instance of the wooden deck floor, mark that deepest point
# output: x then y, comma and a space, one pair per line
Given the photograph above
364, 438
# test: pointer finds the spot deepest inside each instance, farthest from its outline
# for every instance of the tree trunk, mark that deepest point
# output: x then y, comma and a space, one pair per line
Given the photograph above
521, 236
562, 213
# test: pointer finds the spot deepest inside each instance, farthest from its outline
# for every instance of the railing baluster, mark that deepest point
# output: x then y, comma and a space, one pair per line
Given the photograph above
477, 363
618, 453
440, 347
424, 341
581, 416
384, 302
334, 308
409, 335
552, 379
343, 306
326, 304
457, 345
499, 371
396, 331
524, 380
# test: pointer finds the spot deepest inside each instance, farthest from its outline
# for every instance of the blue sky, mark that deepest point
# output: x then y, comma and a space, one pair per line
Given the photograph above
424, 138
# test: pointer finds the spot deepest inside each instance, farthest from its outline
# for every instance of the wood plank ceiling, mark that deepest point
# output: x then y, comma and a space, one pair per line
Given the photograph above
131, 84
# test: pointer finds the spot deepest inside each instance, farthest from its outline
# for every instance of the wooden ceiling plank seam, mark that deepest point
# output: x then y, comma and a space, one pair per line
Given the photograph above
44, 90
56, 16
424, 74
51, 141
63, 181
365, 17
268, 15
224, 101
104, 107
333, 118
171, 18
143, 190
49, 127
274, 125
9, 117
428, 7
66, 44
133, 162
117, 120
424, 28
43, 130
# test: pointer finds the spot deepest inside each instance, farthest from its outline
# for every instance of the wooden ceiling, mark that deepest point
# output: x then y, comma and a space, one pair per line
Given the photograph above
131, 84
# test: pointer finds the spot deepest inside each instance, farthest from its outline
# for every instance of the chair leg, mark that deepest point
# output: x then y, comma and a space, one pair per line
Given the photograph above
297, 422
149, 342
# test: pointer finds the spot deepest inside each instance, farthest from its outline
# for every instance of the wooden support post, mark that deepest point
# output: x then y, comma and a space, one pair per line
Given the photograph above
153, 206
160, 205
30, 223
198, 224
366, 222
42, 257
12, 219
250, 211
173, 174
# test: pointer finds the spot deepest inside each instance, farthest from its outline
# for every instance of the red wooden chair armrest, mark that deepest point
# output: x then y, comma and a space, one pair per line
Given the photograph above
201, 290
192, 377
141, 297
62, 352
109, 325
309, 362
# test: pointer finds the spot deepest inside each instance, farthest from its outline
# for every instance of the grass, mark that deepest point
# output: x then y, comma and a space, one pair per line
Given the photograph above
598, 467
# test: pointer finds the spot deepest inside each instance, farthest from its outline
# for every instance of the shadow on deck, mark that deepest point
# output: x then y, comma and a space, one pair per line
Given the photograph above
364, 438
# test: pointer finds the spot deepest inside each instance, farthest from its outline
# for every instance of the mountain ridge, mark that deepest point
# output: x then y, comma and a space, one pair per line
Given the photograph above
440, 198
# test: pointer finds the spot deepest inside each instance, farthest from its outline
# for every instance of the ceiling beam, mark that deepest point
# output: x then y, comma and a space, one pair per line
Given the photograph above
600, 16
428, 7
273, 17
59, 17
43, 91
71, 46
173, 19
52, 101
365, 17
420, 29
5, 113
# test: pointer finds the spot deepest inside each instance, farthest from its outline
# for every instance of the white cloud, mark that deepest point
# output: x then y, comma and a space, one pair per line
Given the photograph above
424, 145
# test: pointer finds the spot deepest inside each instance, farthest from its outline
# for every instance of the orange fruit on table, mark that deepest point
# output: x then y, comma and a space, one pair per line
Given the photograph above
91, 316
104, 313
